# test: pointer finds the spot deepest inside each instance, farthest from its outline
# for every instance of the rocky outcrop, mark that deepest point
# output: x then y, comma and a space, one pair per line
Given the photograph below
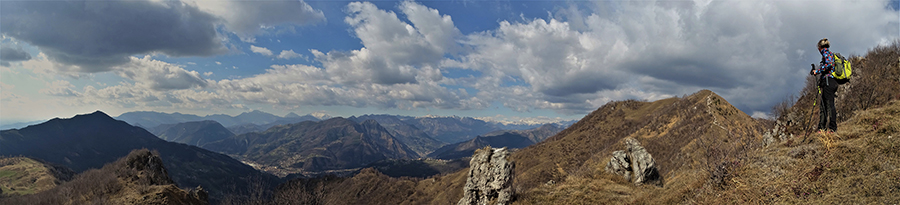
146, 166
490, 176
778, 132
634, 164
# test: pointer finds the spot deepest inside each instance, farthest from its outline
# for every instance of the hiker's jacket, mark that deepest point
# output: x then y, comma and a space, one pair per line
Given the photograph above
828, 66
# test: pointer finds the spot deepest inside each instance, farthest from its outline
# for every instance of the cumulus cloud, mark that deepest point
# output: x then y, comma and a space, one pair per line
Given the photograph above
293, 85
159, 75
288, 54
751, 52
59, 88
394, 52
94, 36
261, 50
250, 18
284, 54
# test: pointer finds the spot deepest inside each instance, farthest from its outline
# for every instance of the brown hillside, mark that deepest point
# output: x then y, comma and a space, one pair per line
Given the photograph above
678, 132
859, 164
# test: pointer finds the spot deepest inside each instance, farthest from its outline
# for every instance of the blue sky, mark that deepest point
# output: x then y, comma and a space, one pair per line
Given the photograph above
501, 60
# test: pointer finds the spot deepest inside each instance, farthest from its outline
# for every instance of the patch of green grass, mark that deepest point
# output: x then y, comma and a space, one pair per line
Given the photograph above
7, 173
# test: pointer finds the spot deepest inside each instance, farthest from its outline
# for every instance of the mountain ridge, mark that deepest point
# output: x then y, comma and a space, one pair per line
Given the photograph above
308, 146
92, 140
197, 133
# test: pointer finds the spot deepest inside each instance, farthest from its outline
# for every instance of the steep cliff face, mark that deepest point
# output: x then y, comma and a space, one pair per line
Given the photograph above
490, 177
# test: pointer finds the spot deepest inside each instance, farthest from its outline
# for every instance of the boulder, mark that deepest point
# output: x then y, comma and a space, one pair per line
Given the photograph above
635, 164
620, 164
490, 177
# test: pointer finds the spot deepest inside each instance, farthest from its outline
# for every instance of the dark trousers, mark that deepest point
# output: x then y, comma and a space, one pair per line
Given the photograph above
826, 109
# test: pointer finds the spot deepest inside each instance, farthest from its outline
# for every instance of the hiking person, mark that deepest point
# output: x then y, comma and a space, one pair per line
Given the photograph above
827, 87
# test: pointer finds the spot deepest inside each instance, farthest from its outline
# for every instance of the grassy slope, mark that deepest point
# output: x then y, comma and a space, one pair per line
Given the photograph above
678, 132
21, 175
858, 164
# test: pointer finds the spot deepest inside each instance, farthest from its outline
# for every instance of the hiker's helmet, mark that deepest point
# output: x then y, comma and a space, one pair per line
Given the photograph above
824, 43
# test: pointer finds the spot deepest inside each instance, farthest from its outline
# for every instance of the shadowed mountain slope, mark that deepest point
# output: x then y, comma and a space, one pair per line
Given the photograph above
196, 133
92, 140
413, 137
451, 129
332, 144
513, 139
139, 178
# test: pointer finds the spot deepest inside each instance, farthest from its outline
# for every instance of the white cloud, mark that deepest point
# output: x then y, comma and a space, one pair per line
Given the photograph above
158, 75
393, 52
261, 50
247, 19
59, 88
746, 51
288, 54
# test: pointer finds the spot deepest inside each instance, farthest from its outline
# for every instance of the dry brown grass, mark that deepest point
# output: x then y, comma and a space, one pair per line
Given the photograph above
858, 164
694, 140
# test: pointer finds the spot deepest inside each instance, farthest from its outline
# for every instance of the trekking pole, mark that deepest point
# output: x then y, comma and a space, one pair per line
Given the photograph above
812, 110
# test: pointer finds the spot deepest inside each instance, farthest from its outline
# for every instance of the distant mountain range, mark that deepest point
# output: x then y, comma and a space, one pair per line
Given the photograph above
92, 140
449, 129
197, 133
149, 119
504, 138
415, 138
308, 146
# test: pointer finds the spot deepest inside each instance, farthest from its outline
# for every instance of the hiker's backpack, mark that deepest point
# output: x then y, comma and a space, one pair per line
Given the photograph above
842, 69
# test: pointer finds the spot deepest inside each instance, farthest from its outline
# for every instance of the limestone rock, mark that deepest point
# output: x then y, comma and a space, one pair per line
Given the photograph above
634, 164
490, 176
777, 133
620, 164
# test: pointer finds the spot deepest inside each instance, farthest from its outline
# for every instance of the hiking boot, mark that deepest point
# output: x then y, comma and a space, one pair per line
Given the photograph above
821, 131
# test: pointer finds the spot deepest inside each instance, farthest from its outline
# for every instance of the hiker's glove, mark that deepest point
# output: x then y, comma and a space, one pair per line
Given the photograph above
813, 70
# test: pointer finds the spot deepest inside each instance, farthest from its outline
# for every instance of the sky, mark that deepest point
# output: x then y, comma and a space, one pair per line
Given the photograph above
498, 60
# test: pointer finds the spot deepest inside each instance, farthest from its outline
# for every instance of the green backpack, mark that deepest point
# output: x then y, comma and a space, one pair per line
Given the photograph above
842, 69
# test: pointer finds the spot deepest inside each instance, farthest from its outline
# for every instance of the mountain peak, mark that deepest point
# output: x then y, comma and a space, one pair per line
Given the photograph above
292, 115
99, 114
94, 116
